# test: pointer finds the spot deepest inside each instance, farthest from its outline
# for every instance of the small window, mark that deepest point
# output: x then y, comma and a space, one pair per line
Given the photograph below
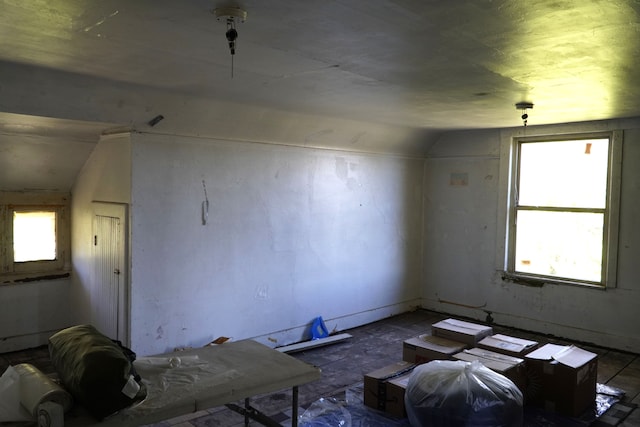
35, 242
563, 210
34, 236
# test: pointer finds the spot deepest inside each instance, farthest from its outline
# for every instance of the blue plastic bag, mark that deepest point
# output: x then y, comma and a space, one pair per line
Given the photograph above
318, 329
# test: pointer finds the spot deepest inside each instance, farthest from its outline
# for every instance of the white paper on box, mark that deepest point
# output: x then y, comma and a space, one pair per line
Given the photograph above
463, 325
492, 355
574, 356
567, 355
490, 359
516, 345
439, 344
546, 352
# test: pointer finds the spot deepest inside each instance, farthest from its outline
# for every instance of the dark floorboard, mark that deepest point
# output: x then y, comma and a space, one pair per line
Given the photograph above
372, 346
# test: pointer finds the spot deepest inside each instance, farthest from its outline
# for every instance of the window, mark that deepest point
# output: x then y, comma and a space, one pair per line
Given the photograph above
563, 206
35, 231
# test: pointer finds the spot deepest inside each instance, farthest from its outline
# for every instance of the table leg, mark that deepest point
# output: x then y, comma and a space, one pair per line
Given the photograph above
294, 407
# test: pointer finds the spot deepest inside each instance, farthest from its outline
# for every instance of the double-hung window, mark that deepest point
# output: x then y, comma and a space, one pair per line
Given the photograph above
563, 209
35, 236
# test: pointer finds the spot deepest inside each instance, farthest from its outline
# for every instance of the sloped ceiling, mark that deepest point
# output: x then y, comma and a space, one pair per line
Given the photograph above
370, 75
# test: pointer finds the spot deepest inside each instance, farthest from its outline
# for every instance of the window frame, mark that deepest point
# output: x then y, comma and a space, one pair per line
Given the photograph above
10, 202
506, 237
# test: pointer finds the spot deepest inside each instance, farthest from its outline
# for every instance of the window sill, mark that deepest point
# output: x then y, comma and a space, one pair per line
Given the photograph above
17, 279
540, 281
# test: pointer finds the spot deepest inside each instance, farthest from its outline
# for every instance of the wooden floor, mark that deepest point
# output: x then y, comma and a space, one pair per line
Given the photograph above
372, 346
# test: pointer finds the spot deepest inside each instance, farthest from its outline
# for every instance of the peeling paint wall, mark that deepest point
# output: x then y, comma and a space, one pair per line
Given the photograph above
291, 233
460, 240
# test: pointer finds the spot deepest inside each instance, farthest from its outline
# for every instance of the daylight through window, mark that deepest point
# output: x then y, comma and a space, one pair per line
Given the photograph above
560, 218
34, 236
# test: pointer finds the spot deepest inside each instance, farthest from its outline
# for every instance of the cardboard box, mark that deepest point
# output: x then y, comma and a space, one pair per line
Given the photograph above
511, 367
458, 330
381, 387
512, 346
562, 379
425, 348
395, 395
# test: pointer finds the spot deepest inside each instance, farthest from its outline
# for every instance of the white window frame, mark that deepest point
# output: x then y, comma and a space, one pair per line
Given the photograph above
507, 200
16, 272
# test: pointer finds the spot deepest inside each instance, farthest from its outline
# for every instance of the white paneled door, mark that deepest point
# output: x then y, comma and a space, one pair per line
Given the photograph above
109, 291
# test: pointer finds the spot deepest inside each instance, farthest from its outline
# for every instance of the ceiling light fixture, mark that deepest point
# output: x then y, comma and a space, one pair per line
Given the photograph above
524, 106
229, 15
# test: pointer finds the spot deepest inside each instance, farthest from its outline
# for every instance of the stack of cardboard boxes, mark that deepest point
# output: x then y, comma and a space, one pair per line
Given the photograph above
556, 378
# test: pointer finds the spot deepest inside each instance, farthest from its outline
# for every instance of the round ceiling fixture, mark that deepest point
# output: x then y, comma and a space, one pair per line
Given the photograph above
225, 13
229, 15
524, 106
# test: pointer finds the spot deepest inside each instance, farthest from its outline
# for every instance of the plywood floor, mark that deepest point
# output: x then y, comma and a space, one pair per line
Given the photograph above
371, 347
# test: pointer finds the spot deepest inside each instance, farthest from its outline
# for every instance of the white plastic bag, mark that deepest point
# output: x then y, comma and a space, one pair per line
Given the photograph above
10, 408
462, 394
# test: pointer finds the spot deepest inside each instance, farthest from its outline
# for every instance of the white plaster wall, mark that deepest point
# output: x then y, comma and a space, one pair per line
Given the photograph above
292, 233
106, 177
460, 247
31, 312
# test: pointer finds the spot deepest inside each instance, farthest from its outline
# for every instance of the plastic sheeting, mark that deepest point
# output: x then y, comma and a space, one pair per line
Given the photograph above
23, 388
177, 375
347, 411
462, 394
10, 408
329, 412
37, 388
326, 413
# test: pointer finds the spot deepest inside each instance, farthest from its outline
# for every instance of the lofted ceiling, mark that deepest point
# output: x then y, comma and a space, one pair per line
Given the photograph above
306, 71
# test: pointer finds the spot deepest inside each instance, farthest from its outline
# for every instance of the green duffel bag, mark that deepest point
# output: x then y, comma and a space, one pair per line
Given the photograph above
97, 371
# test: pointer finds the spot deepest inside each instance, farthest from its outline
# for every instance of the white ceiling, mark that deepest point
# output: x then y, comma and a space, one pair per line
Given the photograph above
416, 67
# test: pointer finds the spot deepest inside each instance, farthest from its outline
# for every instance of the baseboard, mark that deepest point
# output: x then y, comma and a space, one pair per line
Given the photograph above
337, 324
23, 342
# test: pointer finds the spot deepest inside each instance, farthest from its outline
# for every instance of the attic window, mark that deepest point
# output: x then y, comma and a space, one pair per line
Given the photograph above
34, 235
35, 243
563, 207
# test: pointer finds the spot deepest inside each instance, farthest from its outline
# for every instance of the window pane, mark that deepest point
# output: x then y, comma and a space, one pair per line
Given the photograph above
34, 236
564, 173
560, 244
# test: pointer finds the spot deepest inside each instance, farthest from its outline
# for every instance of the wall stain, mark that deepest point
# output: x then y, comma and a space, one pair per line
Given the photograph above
342, 171
356, 138
347, 173
320, 133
